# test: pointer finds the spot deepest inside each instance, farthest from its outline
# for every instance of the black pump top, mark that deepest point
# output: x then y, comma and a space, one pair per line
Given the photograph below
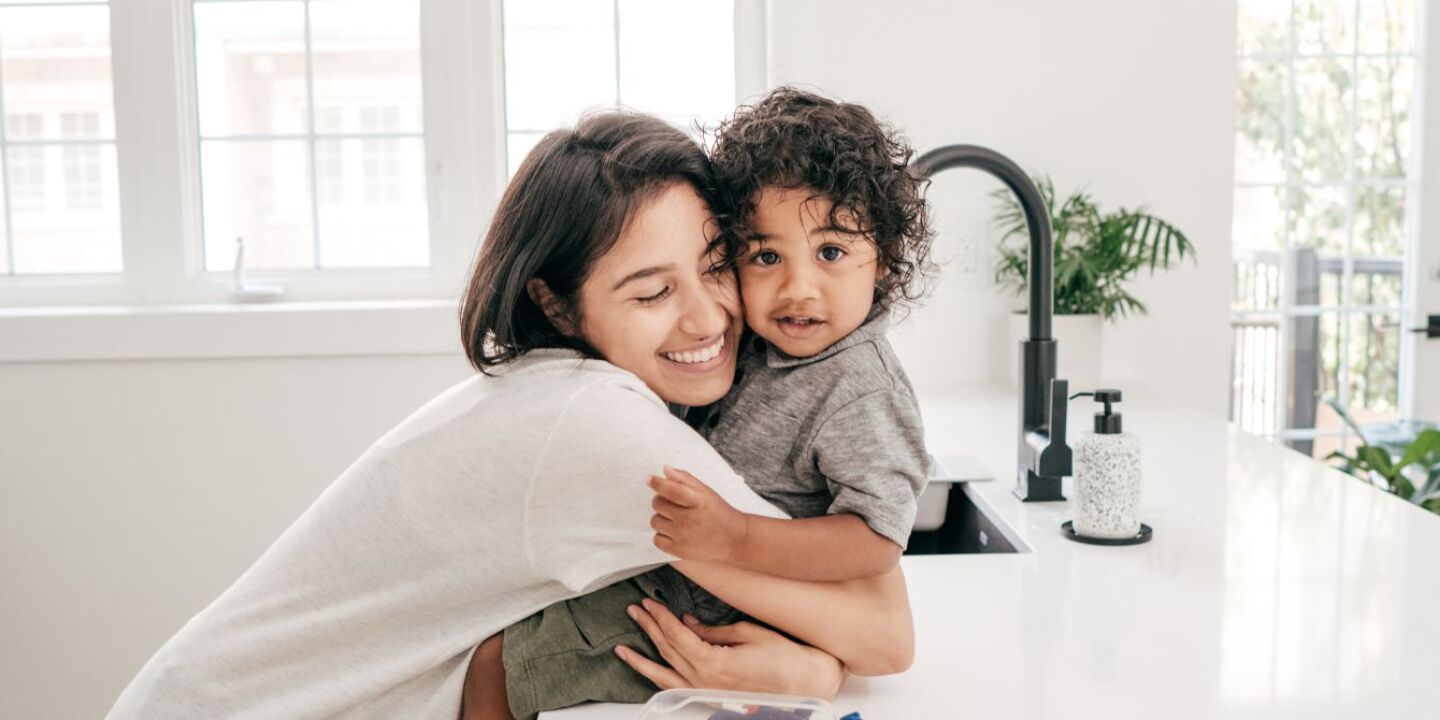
1106, 423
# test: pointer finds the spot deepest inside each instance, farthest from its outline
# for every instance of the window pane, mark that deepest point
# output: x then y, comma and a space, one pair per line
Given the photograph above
1260, 122
366, 53
1380, 222
1317, 218
1382, 122
250, 67
1322, 119
1374, 367
259, 190
1387, 26
559, 61
1324, 26
372, 209
1319, 354
1264, 26
4, 237
1255, 374
56, 59
1377, 283
519, 145
677, 59
1258, 243
72, 224
28, 187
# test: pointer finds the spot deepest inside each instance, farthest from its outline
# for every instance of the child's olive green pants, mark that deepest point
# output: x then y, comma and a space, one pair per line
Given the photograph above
565, 654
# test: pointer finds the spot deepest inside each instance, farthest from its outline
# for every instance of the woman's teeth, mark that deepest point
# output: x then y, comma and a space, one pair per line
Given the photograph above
704, 354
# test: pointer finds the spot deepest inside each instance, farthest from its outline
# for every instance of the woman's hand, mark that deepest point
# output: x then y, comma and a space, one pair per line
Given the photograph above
692, 521
743, 656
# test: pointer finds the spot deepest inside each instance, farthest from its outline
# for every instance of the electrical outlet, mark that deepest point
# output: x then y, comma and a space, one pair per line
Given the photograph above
967, 255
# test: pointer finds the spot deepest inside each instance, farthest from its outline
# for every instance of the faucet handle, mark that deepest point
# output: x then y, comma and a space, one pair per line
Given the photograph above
1059, 399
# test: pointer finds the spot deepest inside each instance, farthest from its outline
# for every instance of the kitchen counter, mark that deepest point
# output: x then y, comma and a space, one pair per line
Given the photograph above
1274, 587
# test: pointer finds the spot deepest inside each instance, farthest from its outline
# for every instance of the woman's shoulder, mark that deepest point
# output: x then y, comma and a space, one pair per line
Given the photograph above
566, 371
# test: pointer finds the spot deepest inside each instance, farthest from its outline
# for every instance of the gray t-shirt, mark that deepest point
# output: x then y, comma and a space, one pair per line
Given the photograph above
837, 432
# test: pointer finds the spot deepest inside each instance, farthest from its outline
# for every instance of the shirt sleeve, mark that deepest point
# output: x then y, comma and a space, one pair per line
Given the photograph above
872, 454
588, 511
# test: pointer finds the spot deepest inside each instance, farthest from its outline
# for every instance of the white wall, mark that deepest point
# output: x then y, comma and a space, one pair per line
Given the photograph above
132, 492
1131, 98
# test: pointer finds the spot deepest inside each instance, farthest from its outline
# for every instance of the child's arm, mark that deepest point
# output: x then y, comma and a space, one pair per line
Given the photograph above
694, 523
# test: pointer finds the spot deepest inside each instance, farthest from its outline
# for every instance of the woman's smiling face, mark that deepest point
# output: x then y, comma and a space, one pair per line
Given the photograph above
652, 306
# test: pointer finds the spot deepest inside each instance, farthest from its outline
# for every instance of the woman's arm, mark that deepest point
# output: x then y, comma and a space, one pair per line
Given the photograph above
864, 623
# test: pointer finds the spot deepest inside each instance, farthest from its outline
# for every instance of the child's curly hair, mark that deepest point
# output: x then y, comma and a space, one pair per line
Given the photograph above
796, 139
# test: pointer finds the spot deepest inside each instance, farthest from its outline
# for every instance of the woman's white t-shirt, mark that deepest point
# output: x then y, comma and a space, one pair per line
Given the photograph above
503, 495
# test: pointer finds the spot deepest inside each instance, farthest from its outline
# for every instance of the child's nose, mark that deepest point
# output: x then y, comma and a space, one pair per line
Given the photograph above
800, 284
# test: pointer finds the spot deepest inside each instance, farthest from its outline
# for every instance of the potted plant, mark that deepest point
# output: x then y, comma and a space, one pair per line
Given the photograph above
1096, 253
1407, 466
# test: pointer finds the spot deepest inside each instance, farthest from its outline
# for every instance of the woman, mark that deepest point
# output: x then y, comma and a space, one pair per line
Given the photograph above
525, 484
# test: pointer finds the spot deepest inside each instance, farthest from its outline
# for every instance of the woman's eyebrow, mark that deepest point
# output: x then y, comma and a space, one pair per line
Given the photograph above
641, 274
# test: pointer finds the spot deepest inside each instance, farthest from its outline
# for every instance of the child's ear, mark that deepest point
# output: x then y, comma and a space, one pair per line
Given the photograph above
555, 309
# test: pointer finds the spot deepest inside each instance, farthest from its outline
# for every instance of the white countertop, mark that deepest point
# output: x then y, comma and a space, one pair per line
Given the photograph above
1274, 587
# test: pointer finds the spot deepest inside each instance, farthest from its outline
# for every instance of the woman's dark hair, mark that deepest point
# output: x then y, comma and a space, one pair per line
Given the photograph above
794, 139
563, 210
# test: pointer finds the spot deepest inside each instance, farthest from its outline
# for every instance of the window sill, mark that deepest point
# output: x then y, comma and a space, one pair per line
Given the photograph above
286, 329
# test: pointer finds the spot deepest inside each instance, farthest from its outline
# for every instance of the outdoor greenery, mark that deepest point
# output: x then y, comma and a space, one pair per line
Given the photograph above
1325, 95
1095, 252
1408, 466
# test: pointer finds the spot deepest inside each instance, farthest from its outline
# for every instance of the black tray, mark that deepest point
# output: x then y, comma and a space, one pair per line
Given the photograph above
1068, 530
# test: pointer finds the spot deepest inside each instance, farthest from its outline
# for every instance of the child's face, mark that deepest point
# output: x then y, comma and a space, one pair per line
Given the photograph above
805, 283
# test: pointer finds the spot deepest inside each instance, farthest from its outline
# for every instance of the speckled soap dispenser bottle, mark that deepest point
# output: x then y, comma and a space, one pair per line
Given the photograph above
1107, 477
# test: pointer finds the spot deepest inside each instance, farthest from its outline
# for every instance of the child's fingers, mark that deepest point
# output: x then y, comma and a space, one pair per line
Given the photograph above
682, 477
664, 507
674, 492
666, 544
663, 525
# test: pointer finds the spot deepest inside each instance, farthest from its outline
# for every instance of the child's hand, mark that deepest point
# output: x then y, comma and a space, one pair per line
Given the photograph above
692, 522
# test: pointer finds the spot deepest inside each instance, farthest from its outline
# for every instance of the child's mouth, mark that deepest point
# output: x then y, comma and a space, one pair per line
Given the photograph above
799, 327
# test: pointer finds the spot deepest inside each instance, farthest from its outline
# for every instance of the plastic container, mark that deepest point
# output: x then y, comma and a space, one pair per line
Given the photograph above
730, 705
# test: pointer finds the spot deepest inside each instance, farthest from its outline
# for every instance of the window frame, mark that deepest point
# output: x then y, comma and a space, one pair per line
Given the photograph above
158, 146
163, 306
1347, 310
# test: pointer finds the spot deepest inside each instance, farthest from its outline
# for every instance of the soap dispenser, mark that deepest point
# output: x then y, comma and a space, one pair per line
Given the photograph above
1107, 480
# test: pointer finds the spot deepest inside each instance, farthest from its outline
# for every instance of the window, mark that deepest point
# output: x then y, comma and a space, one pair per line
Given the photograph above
286, 90
26, 162
356, 147
1325, 176
82, 161
564, 57
59, 199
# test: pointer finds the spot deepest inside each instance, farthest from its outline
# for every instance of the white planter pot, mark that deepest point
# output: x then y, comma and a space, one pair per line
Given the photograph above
1079, 355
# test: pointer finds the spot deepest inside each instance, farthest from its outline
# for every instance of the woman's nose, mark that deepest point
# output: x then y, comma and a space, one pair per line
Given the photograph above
703, 315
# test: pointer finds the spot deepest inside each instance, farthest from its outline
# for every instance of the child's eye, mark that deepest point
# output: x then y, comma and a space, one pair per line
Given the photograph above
767, 257
657, 297
831, 253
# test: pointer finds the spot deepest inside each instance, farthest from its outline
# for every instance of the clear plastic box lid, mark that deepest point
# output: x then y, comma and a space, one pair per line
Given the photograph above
729, 705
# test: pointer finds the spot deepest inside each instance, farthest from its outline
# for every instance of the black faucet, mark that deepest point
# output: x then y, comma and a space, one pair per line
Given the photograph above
1044, 456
